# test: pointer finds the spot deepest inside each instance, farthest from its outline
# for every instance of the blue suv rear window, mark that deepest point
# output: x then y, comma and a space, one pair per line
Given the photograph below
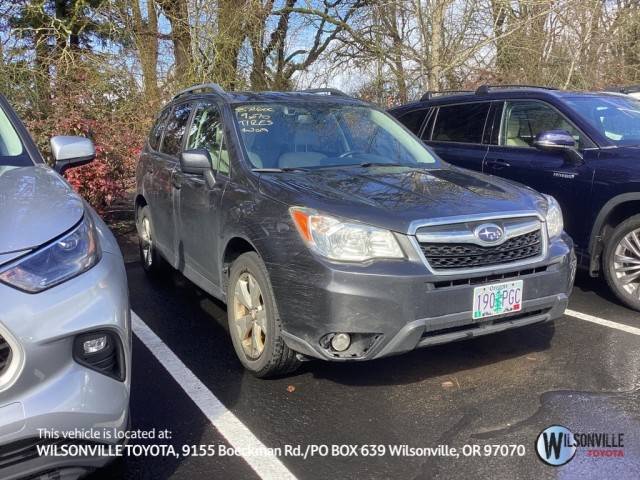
462, 123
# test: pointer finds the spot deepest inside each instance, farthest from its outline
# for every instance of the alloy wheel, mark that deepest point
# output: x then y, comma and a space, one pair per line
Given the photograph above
626, 263
250, 316
146, 242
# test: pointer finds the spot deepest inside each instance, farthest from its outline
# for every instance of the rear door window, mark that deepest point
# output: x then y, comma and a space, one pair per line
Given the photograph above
174, 132
156, 132
463, 123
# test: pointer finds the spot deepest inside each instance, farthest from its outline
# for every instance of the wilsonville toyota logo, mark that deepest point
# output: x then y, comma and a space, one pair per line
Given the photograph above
557, 445
489, 233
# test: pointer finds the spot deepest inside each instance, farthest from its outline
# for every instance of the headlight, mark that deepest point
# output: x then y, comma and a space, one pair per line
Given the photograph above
554, 220
61, 260
340, 240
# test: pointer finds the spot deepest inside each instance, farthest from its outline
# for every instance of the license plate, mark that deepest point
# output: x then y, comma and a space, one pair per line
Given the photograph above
497, 299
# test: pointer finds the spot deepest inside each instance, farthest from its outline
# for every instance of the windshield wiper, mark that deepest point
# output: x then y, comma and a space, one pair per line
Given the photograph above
364, 165
279, 170
382, 164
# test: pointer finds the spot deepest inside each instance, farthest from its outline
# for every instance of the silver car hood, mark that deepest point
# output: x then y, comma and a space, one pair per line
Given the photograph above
36, 205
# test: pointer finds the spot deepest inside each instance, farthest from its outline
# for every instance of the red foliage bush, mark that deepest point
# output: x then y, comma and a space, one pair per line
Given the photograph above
111, 174
83, 105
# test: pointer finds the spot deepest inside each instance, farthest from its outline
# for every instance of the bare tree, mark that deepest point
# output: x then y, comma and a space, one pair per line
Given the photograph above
275, 60
145, 37
177, 12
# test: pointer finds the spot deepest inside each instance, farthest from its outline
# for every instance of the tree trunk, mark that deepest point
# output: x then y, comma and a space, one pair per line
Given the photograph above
256, 26
228, 42
499, 13
178, 14
145, 35
435, 45
392, 19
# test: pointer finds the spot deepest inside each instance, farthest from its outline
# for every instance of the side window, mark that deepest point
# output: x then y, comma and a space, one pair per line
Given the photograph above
207, 133
523, 120
462, 123
413, 120
174, 131
156, 132
495, 118
428, 128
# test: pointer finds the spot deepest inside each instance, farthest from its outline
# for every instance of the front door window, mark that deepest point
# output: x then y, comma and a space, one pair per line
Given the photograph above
524, 120
207, 133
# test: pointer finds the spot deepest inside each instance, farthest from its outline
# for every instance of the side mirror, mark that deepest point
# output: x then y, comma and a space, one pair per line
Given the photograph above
558, 141
195, 161
71, 152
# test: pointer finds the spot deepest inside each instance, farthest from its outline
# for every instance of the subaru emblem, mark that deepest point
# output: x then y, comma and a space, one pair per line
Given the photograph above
489, 233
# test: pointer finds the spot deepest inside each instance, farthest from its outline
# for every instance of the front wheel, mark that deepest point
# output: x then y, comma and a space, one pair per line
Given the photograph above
151, 260
254, 323
621, 262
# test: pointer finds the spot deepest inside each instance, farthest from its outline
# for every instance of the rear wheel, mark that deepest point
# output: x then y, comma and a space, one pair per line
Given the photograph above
254, 323
152, 262
622, 262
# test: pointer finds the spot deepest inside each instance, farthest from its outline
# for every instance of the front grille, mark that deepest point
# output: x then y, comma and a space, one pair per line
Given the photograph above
20, 451
5, 355
495, 277
466, 255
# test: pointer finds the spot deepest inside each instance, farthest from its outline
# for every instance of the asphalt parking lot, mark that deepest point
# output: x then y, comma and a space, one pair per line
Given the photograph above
500, 389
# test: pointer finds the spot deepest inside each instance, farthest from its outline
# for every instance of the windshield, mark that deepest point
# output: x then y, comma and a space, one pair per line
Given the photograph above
616, 117
11, 150
320, 135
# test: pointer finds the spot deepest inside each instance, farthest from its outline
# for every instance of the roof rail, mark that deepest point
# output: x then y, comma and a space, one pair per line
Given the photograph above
484, 89
430, 94
213, 87
630, 89
330, 91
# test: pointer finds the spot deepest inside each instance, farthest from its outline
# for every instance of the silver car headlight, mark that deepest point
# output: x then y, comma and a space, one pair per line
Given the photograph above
342, 240
69, 256
555, 223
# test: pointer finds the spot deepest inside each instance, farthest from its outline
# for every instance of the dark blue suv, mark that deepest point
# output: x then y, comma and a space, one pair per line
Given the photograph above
581, 148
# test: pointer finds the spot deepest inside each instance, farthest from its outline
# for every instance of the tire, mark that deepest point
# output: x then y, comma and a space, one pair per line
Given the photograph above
254, 323
152, 261
623, 277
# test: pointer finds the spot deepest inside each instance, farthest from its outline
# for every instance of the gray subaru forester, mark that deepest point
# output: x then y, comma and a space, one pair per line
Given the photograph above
332, 232
65, 336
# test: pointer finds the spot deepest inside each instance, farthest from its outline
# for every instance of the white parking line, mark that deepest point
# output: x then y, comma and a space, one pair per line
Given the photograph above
603, 322
233, 430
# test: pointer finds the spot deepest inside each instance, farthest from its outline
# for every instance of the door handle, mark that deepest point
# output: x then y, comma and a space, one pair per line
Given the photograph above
498, 163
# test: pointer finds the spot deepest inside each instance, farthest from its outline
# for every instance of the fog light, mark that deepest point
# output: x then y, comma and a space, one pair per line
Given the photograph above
101, 351
95, 345
340, 342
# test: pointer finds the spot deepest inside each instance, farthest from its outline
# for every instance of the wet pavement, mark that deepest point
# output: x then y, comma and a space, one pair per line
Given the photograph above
502, 389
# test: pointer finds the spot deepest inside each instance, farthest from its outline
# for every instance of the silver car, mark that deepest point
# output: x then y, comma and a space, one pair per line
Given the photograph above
65, 333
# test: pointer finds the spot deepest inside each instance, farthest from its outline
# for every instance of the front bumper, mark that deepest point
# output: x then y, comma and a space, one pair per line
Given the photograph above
49, 392
394, 307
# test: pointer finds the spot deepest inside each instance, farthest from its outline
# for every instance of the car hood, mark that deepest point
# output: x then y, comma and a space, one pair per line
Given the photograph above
393, 197
36, 205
